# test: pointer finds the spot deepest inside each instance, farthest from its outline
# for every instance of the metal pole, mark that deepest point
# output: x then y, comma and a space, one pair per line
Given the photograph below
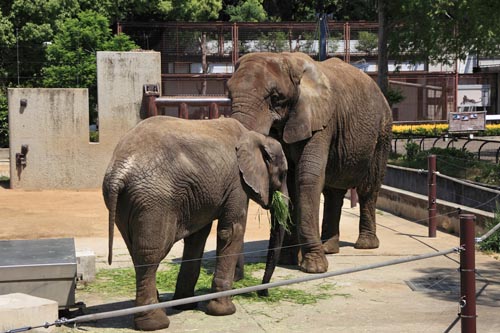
467, 273
431, 181
214, 111
183, 111
322, 36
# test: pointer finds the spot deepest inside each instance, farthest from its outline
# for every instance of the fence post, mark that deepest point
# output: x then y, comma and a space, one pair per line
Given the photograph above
213, 111
468, 273
183, 111
431, 181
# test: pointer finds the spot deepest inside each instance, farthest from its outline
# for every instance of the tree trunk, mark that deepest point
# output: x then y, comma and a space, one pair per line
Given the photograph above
383, 64
204, 63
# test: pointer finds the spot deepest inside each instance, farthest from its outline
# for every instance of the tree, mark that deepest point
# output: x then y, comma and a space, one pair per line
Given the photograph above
367, 42
444, 30
247, 11
72, 54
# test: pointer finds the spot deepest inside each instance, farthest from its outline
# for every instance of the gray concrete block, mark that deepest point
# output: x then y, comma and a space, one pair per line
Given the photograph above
85, 265
20, 310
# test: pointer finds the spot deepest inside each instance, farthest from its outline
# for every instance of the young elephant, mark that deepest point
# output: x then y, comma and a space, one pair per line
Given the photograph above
168, 180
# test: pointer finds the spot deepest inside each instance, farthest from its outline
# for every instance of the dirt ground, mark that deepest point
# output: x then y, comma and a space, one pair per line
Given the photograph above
59, 213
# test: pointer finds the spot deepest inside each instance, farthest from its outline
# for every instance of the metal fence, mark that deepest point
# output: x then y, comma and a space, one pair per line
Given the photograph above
198, 58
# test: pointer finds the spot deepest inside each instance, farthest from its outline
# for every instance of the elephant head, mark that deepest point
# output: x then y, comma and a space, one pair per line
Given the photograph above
282, 90
260, 156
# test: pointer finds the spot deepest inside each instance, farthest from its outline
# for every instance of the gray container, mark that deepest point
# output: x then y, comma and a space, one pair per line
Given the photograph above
42, 267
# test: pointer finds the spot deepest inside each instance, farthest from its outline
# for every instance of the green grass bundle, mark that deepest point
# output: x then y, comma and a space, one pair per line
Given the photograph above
281, 212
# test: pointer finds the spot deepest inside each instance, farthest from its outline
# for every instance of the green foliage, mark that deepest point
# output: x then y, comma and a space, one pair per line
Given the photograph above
281, 211
72, 54
121, 281
367, 42
394, 96
492, 243
247, 11
273, 41
412, 149
441, 30
4, 124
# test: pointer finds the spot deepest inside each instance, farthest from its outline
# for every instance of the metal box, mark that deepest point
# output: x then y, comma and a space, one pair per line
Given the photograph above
42, 267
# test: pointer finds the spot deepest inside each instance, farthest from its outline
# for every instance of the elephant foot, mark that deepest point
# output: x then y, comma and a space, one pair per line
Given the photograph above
313, 262
367, 242
288, 256
263, 293
331, 246
221, 307
184, 307
151, 320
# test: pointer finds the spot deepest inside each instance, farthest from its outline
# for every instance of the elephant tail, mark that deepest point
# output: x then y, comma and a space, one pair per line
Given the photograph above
111, 190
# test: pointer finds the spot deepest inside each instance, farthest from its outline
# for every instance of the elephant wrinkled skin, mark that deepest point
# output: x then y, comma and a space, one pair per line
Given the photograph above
168, 180
335, 127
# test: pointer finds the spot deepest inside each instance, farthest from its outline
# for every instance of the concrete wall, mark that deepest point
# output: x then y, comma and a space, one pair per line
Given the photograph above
414, 207
55, 123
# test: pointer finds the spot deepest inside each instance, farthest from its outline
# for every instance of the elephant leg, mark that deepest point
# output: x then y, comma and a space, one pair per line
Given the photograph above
311, 180
190, 267
230, 232
367, 238
239, 272
149, 247
330, 233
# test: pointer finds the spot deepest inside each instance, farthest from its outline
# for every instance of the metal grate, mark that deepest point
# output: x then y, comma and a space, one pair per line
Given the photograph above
435, 284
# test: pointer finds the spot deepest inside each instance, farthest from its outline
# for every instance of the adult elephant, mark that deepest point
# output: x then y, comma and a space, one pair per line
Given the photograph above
168, 180
335, 126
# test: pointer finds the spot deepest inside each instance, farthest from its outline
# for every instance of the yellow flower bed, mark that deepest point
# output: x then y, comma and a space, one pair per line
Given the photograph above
437, 129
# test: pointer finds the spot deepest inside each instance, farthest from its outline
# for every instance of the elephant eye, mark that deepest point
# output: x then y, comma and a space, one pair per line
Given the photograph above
275, 99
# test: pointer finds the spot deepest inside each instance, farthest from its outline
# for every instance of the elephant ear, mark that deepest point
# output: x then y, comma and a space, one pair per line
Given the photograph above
313, 108
252, 162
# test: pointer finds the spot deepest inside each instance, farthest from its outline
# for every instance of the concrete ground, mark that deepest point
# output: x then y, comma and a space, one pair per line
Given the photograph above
420, 296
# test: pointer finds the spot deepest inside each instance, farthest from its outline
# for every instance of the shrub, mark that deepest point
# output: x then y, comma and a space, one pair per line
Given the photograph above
492, 243
4, 123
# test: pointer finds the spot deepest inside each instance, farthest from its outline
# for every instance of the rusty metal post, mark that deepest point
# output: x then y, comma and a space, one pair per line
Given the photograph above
431, 181
213, 113
468, 273
183, 111
152, 109
151, 93
354, 197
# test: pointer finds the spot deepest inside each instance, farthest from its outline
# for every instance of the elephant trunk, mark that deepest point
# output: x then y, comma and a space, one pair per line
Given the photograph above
252, 112
277, 234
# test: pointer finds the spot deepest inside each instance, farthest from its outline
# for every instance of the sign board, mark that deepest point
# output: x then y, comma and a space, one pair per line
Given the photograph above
467, 121
473, 95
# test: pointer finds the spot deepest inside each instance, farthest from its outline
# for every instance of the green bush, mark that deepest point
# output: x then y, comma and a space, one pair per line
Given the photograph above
492, 243
412, 149
4, 122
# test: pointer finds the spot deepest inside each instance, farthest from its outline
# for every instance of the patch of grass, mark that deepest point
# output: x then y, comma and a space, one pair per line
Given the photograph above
4, 179
121, 282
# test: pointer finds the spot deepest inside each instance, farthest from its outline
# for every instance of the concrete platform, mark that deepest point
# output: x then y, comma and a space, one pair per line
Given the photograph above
21, 310
420, 296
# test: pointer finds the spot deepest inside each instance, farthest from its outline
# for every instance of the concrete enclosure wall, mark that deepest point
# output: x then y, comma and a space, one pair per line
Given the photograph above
54, 123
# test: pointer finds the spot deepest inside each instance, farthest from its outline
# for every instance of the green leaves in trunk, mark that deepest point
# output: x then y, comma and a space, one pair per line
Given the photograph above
281, 212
